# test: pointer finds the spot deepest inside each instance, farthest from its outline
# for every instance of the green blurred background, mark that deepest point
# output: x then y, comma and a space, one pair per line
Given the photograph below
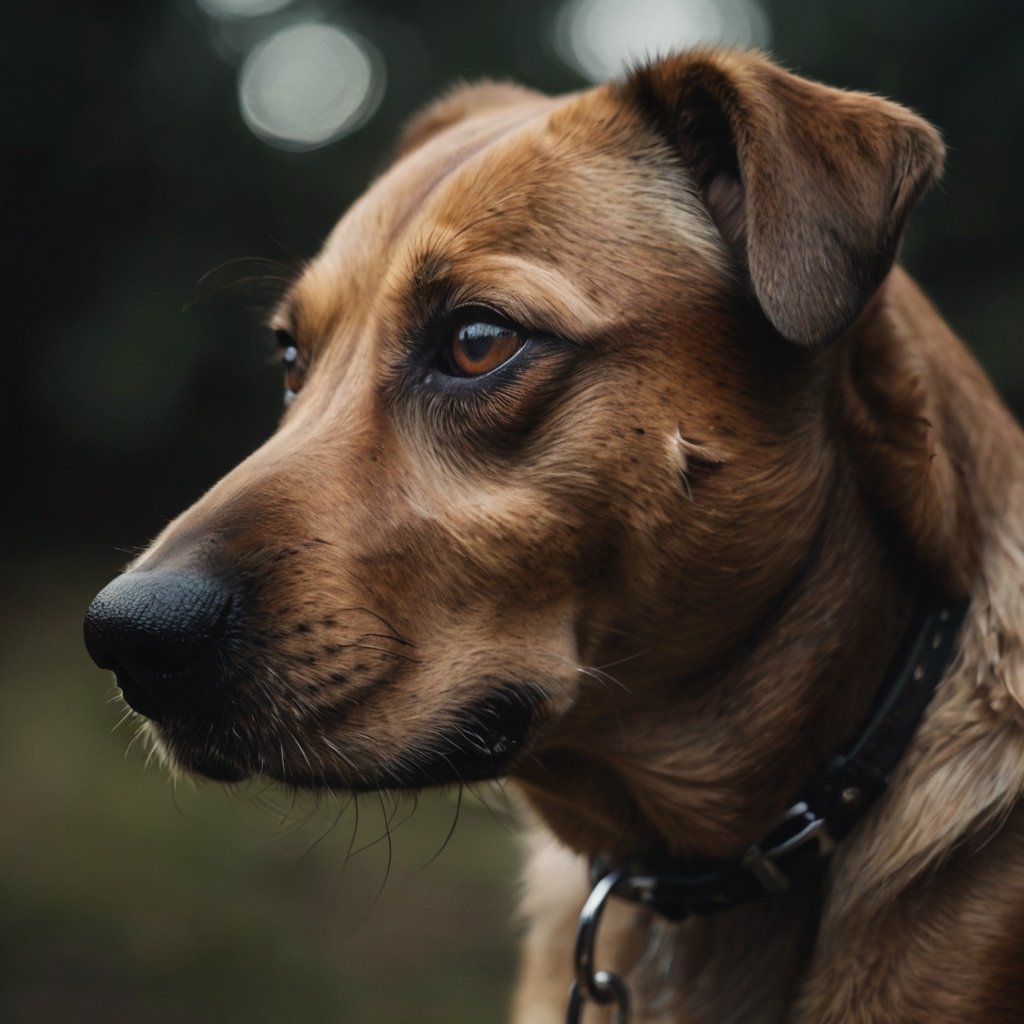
169, 164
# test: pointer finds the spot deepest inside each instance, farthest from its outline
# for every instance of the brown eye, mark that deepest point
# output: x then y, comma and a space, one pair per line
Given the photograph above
292, 367
478, 348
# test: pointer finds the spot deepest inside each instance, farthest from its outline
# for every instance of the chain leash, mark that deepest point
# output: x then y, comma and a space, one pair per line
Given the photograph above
600, 987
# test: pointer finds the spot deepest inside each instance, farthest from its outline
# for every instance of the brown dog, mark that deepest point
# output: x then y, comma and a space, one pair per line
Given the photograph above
622, 462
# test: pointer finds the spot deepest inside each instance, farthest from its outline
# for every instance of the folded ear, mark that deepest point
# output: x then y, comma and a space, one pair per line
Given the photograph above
810, 186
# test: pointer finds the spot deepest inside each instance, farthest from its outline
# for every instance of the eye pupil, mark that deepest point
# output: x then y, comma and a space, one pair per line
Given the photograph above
478, 339
480, 347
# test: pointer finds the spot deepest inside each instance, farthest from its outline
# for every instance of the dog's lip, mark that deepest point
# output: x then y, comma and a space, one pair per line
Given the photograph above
184, 694
135, 694
484, 743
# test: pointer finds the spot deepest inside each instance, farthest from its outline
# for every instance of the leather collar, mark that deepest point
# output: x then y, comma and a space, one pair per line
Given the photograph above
834, 799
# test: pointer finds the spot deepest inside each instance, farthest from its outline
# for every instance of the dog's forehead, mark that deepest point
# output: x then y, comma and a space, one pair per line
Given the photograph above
368, 236
553, 180
393, 202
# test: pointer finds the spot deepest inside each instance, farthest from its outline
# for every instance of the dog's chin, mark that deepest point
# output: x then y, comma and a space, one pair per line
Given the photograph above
183, 756
214, 765
483, 742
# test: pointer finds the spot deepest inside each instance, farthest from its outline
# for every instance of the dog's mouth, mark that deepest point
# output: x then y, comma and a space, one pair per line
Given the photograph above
483, 743
478, 742
353, 709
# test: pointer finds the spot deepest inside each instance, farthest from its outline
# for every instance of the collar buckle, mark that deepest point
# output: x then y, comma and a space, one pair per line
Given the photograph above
767, 865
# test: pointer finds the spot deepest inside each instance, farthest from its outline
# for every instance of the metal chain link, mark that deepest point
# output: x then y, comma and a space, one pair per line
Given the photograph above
601, 987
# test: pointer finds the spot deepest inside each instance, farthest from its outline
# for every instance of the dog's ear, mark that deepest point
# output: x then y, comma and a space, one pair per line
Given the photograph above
810, 186
457, 104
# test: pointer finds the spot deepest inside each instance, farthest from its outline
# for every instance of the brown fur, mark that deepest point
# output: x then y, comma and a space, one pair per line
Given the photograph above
690, 531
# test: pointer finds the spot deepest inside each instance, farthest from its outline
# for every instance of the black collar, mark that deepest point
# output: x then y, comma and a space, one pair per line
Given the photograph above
834, 799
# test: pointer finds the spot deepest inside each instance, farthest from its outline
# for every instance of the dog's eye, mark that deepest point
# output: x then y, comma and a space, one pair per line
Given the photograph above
479, 347
293, 372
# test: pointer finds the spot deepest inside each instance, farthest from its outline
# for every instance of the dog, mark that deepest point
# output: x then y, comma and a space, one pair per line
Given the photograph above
621, 459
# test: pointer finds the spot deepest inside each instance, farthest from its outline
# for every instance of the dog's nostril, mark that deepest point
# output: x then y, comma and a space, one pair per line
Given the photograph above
148, 626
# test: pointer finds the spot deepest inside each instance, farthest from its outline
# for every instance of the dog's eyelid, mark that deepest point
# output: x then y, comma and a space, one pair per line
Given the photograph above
511, 315
284, 337
283, 315
483, 311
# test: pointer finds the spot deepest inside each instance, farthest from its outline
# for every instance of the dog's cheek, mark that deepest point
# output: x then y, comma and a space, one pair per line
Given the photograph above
464, 713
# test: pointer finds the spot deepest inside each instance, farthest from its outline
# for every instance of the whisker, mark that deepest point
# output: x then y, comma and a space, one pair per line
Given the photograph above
451, 830
355, 830
390, 856
342, 807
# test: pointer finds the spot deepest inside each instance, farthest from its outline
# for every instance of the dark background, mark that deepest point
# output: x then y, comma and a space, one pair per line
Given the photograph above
146, 231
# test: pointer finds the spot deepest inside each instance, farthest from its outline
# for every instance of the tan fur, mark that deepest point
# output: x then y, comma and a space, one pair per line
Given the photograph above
696, 524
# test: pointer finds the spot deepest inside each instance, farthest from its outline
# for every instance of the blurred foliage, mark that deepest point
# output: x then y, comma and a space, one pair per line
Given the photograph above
147, 231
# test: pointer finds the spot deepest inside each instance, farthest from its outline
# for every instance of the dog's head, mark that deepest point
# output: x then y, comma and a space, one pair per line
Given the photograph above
557, 445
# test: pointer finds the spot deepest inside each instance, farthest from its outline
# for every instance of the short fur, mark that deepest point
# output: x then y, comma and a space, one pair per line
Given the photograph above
657, 570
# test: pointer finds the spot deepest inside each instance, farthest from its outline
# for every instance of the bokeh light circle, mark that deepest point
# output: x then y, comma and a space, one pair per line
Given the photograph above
308, 85
241, 8
599, 38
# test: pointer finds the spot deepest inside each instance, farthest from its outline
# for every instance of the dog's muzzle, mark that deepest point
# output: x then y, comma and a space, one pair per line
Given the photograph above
158, 632
179, 645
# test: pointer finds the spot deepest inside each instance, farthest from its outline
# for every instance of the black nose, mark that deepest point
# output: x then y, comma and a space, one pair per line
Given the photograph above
153, 629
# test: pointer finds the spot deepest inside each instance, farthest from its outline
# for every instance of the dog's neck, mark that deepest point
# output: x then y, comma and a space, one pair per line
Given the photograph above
714, 768
714, 775
833, 937
843, 787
